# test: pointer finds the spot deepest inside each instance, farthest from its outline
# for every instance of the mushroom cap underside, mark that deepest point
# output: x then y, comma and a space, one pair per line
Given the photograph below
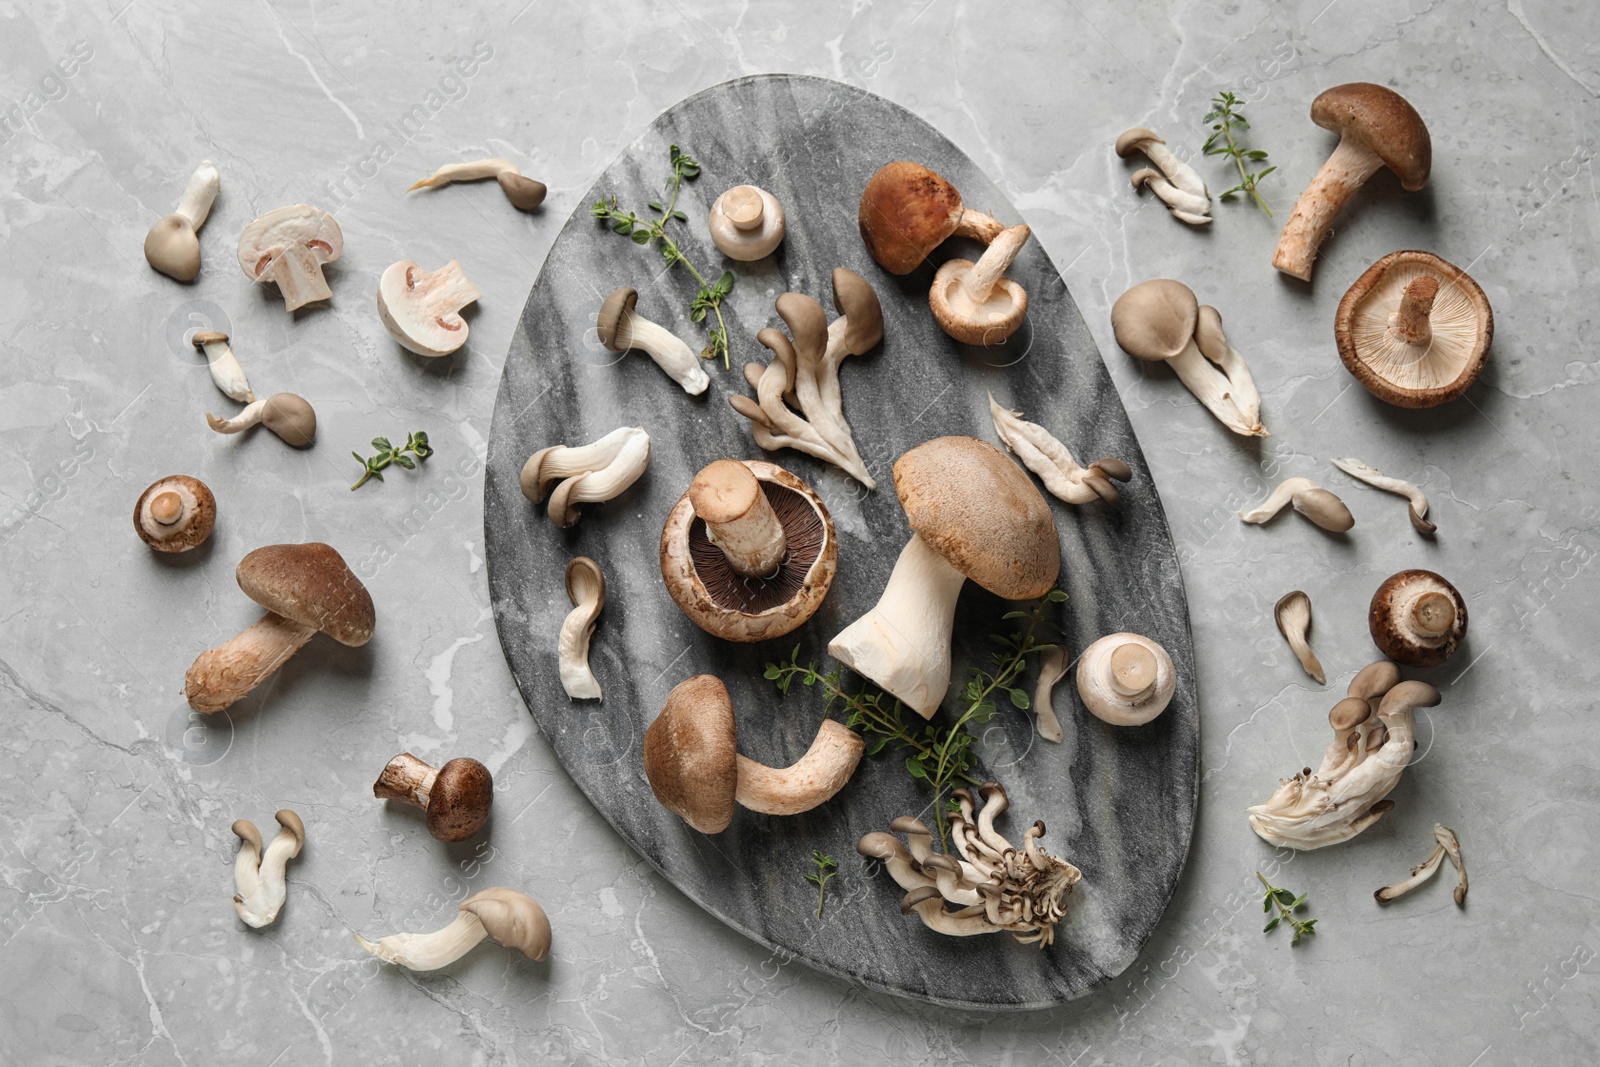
196, 517
971, 321
311, 585
906, 211
1390, 618
1385, 122
690, 754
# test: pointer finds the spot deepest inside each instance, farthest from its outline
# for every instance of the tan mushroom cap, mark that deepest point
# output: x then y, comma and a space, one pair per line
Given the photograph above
173, 248
459, 800
690, 754
908, 210
1371, 344
1155, 320
310, 584
175, 513
291, 417
1417, 618
616, 307
982, 513
1382, 120
1130, 141
512, 919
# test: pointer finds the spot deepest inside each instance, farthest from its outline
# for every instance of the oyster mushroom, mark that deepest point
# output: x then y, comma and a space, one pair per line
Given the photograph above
285, 414
1378, 480
1126, 679
224, 366
975, 302
504, 916
1414, 330
696, 771
305, 589
1445, 844
289, 247
746, 223
1181, 188
175, 513
622, 329
422, 309
586, 588
173, 246
973, 514
1213, 344
749, 552
524, 193
260, 886
907, 211
456, 797
1185, 207
1053, 663
1309, 499
1293, 616
1417, 618
1047, 457
587, 474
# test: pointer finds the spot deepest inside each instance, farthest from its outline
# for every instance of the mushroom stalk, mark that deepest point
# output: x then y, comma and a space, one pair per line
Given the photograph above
1215, 347
1052, 668
199, 194
1416, 304
599, 471
666, 349
219, 676
806, 783
1452, 847
1419, 874
430, 951
1344, 171
285, 414
586, 588
502, 915
1185, 206
1418, 500
979, 283
241, 422
406, 779
1293, 616
524, 193
739, 518
297, 270
224, 366
1047, 457
1213, 389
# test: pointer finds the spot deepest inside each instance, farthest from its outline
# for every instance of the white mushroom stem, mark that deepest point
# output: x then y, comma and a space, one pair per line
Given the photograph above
247, 418
586, 588
430, 951
665, 348
809, 781
979, 282
1214, 390
1214, 346
1052, 668
224, 366
1419, 874
1309, 499
1419, 502
1044, 455
260, 878
466, 172
222, 675
1185, 206
199, 194
1452, 848
1293, 616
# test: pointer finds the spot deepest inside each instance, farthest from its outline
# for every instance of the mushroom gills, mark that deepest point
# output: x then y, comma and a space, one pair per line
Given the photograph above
1293, 616
586, 588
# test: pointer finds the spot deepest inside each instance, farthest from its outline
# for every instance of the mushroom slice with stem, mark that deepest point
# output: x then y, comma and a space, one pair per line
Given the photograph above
223, 365
1053, 664
260, 886
586, 474
524, 193
1419, 502
1309, 499
622, 329
285, 414
173, 244
175, 513
1417, 618
586, 588
1182, 190
1047, 457
975, 302
746, 223
422, 309
1213, 344
907, 211
1293, 616
289, 247
456, 798
1126, 679
504, 916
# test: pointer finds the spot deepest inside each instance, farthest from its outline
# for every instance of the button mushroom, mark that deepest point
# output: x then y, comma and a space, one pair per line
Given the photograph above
173, 246
504, 916
1126, 679
587, 474
524, 193
749, 552
456, 798
1378, 480
1414, 330
973, 514
1047, 457
422, 309
224, 366
975, 302
907, 211
287, 415
1417, 618
1293, 616
1377, 127
746, 223
622, 329
175, 513
1182, 190
586, 588
1309, 499
288, 247
695, 769
305, 588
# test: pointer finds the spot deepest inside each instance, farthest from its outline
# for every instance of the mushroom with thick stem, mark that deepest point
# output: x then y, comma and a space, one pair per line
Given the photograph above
586, 588
1053, 663
1378, 480
1293, 616
695, 769
749, 552
1043, 454
260, 887
975, 302
224, 366
288, 247
1309, 499
585, 474
305, 589
621, 328
285, 414
175, 513
422, 309
1377, 127
524, 193
907, 211
746, 223
173, 246
456, 797
1126, 679
1182, 189
973, 514
1445, 844
1417, 618
504, 916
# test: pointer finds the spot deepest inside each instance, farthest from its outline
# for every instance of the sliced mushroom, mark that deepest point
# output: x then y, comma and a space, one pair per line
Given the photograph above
587, 474
502, 915
524, 193
1419, 502
260, 885
1417, 618
422, 309
1047, 457
1183, 190
173, 246
287, 415
746, 223
175, 513
975, 302
622, 329
1293, 615
456, 797
586, 588
1126, 679
907, 211
1053, 664
289, 247
1309, 499
224, 365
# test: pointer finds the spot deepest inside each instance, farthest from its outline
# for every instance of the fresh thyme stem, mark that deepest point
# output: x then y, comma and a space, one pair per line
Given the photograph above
1225, 118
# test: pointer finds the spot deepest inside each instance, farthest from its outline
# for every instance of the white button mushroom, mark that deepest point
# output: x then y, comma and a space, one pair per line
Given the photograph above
622, 329
1126, 679
586, 474
288, 247
502, 915
173, 246
422, 309
259, 877
524, 193
746, 223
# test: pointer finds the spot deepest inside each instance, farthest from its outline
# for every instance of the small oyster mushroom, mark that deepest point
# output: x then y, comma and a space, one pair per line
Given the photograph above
975, 302
1445, 844
1293, 616
224, 366
285, 414
1452, 848
504, 916
524, 193
1126, 679
1417, 618
622, 329
456, 797
175, 513
907, 211
260, 885
1047, 457
1053, 663
746, 223
1419, 502
173, 246
1182, 189
288, 247
586, 588
695, 769
422, 309
1213, 344
1309, 499
1185, 207
586, 474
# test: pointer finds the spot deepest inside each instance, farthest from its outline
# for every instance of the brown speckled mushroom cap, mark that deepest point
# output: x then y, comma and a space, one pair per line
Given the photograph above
908, 210
1382, 120
175, 513
311, 585
460, 799
691, 755
1417, 618
982, 513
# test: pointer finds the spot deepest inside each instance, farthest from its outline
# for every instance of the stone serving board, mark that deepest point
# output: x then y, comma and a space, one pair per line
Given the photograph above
1119, 803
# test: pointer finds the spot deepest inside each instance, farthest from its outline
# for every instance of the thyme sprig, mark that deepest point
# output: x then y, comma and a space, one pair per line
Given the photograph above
1225, 119
1286, 904
827, 867
416, 444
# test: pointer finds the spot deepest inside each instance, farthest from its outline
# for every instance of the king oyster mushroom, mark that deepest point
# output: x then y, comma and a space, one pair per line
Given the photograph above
524, 193
586, 474
907, 211
422, 309
289, 247
260, 886
622, 329
1126, 679
1293, 616
1309, 499
1417, 618
975, 302
175, 513
1178, 186
173, 244
502, 915
226, 373
455, 798
746, 223
1047, 457
289, 416
586, 588
1378, 480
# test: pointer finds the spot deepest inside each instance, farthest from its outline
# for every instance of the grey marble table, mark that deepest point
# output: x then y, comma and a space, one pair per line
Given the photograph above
117, 940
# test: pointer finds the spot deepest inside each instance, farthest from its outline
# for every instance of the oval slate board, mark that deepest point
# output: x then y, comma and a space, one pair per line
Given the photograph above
1119, 803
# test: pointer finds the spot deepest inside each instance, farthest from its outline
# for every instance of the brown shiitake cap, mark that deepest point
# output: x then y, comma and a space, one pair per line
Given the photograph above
175, 513
1385, 122
1407, 375
907, 211
691, 755
310, 584
460, 799
1417, 618
982, 513
618, 305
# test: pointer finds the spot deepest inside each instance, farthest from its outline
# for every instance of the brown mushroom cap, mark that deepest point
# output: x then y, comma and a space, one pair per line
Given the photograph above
524, 193
311, 585
907, 211
619, 304
173, 248
690, 754
1155, 320
1408, 375
175, 513
982, 513
291, 417
512, 919
460, 799
1383, 121
1417, 618
857, 301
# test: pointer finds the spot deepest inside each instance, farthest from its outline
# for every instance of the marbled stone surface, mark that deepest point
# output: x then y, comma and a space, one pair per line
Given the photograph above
117, 939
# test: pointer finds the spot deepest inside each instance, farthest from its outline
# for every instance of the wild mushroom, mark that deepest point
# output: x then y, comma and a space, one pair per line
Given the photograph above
1213, 344
305, 589
973, 514
746, 223
1185, 207
621, 329
524, 193
173, 246
1417, 618
1047, 457
260, 886
504, 916
1378, 480
422, 309
1053, 663
907, 211
1155, 321
175, 513
1293, 616
749, 552
1445, 844
1414, 330
805, 374
1182, 190
1126, 679
586, 588
1452, 848
226, 372
975, 302
1377, 127
1309, 499
285, 414
587, 474
1370, 750
456, 798
288, 247
695, 769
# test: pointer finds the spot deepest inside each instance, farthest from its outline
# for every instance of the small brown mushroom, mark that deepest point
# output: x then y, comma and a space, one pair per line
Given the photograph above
907, 211
1293, 615
456, 797
285, 414
175, 513
289, 247
975, 302
1417, 618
